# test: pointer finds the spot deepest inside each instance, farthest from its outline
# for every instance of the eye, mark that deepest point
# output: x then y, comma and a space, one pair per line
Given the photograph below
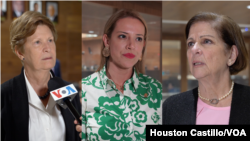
189, 44
206, 41
37, 42
122, 36
139, 39
51, 40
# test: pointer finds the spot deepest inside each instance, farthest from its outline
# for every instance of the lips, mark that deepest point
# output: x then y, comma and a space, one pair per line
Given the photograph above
47, 58
129, 55
197, 63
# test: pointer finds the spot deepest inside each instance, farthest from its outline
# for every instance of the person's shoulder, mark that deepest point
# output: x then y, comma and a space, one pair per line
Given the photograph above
242, 87
92, 81
9, 85
151, 81
180, 108
94, 75
180, 98
243, 90
6, 86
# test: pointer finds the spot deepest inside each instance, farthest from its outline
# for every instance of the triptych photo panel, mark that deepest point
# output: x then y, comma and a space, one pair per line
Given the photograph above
124, 70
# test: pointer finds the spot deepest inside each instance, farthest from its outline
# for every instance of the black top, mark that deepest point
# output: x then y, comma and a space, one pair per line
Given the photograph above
15, 112
182, 108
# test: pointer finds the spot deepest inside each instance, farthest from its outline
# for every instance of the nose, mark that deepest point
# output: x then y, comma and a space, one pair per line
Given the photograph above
130, 43
196, 49
47, 47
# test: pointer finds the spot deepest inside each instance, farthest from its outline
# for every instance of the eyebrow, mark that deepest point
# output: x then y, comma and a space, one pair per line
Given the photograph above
207, 35
201, 37
39, 38
127, 33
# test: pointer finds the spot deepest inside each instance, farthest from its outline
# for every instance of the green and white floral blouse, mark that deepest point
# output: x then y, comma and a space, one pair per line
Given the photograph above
111, 116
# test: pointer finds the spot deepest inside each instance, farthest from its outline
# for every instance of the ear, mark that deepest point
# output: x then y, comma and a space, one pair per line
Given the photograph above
233, 55
105, 40
19, 54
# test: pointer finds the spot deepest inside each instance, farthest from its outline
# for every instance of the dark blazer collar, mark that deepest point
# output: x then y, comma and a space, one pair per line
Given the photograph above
67, 117
194, 106
20, 107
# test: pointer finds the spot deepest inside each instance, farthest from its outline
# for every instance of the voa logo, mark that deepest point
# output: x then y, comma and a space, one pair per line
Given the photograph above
64, 91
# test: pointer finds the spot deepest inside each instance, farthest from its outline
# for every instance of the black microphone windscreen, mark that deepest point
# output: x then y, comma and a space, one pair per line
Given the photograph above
55, 83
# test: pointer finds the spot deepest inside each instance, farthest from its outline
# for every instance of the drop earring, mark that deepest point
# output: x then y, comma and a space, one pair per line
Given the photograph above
105, 52
23, 59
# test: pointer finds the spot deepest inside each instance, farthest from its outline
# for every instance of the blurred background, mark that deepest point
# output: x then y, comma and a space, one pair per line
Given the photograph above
94, 17
66, 17
80, 29
176, 76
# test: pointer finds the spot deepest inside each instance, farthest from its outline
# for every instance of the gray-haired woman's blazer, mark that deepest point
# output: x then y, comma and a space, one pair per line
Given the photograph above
181, 108
15, 112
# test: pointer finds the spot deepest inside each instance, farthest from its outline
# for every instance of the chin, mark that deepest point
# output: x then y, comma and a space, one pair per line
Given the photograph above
48, 66
199, 75
126, 65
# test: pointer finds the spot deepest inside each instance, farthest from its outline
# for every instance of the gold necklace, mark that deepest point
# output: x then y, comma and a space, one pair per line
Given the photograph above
121, 87
216, 101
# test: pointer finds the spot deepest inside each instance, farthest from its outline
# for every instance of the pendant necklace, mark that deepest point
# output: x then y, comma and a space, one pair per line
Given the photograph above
214, 100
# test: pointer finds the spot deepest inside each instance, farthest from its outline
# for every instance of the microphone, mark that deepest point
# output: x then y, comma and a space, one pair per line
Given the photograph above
62, 95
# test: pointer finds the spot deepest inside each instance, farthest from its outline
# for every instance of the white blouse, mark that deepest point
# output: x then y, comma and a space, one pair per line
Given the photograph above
45, 123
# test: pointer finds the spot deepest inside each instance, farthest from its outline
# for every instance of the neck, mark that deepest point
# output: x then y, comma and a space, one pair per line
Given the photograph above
38, 79
117, 74
216, 87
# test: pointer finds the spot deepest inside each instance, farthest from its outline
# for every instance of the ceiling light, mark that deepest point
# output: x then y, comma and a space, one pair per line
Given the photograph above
91, 31
243, 30
248, 7
84, 35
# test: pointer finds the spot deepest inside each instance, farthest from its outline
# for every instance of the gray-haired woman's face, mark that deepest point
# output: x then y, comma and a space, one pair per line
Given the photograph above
40, 49
206, 52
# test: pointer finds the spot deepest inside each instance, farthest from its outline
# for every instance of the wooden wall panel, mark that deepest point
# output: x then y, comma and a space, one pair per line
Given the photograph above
68, 43
183, 54
152, 55
149, 7
95, 47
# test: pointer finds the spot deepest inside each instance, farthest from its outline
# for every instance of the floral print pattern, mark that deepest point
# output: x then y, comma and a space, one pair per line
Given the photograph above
108, 114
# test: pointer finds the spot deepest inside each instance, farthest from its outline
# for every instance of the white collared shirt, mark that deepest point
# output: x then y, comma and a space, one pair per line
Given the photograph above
45, 123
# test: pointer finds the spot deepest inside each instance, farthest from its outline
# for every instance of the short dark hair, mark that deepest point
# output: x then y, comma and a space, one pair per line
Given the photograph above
229, 32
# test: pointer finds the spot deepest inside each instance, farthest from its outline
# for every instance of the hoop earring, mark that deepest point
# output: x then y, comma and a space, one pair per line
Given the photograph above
105, 52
